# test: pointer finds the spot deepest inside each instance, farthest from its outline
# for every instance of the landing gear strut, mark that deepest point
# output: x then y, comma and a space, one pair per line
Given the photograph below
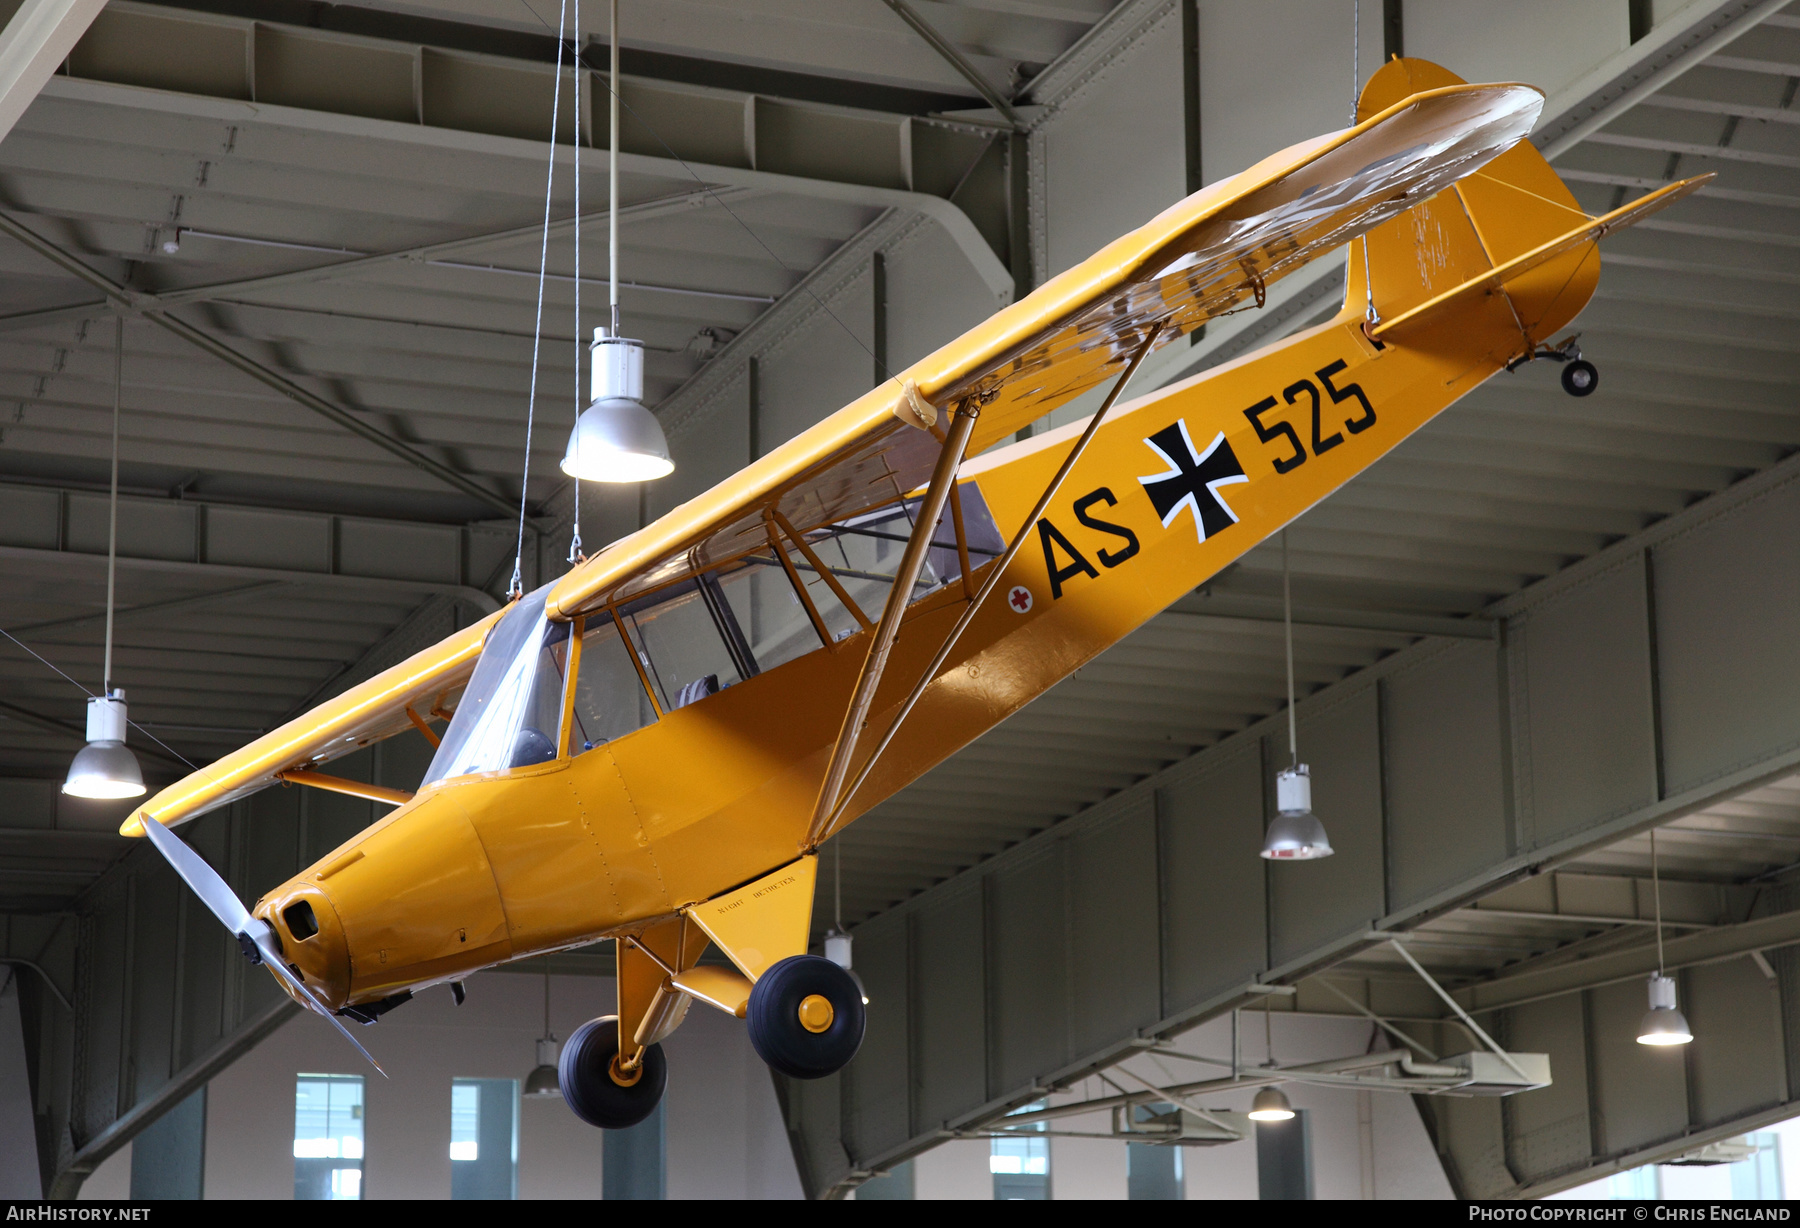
594, 1086
1579, 376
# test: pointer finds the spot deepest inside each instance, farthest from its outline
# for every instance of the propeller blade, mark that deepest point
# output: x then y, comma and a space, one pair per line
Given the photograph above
202, 879
264, 938
222, 901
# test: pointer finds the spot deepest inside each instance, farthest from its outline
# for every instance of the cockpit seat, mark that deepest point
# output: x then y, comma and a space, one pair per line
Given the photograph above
531, 746
698, 689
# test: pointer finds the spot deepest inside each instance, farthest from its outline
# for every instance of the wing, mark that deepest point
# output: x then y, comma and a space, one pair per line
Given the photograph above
1209, 254
426, 682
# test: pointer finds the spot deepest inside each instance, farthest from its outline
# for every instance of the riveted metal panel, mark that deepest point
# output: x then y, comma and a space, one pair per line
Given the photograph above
152, 1049
103, 1008
147, 530
1445, 818
1584, 739
399, 551
326, 72
1548, 1130
1728, 683
244, 538
877, 1082
1028, 1005
1312, 902
949, 1031
1113, 934
30, 518
1737, 1058
1213, 924
1640, 1091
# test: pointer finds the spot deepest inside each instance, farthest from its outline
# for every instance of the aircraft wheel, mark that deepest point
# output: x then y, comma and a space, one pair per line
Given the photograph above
806, 1017
591, 1079
1579, 377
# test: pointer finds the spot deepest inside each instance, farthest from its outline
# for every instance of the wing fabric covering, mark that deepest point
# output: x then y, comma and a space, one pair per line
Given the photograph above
1212, 253
368, 712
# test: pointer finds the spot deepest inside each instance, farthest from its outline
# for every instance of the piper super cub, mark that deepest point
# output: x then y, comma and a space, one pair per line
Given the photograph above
653, 747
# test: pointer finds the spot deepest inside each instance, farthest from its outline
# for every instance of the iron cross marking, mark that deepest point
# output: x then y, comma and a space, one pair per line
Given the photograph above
1193, 479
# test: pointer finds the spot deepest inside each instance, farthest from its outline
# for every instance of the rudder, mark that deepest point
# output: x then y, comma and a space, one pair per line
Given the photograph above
1509, 207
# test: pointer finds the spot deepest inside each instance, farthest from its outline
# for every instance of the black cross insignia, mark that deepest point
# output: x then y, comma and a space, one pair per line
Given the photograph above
1193, 479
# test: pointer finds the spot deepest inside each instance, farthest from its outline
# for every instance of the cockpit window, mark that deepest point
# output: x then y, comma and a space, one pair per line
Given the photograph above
511, 712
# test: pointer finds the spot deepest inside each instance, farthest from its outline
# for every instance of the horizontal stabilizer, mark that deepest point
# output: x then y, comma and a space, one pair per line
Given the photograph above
1589, 231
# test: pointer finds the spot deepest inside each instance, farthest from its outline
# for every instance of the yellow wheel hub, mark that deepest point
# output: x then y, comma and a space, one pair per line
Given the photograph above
622, 1076
816, 1013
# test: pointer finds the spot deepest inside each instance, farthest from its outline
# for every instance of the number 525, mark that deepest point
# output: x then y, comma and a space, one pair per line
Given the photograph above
1269, 433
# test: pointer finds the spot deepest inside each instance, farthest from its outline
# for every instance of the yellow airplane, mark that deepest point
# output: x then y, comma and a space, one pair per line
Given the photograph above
653, 747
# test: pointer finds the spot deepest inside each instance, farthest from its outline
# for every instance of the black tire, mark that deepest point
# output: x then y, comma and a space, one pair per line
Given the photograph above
776, 1032
1580, 377
585, 1074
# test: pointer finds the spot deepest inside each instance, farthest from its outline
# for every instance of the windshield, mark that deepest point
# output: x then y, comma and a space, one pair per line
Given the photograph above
511, 711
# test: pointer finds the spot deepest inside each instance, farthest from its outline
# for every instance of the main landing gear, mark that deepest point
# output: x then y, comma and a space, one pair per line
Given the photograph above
1579, 376
806, 1017
596, 1089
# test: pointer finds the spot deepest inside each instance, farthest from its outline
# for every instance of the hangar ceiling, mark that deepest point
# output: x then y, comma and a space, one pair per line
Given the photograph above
378, 259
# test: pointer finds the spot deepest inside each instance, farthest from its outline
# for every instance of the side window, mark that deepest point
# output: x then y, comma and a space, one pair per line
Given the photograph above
692, 646
609, 699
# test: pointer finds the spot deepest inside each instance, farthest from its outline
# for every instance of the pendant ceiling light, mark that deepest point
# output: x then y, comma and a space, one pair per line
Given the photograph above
105, 768
1271, 1105
616, 439
1663, 1024
542, 1083
1295, 835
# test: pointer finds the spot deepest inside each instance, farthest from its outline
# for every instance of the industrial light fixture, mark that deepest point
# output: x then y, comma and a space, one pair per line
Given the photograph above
105, 768
1271, 1105
1295, 835
1663, 1024
542, 1083
616, 439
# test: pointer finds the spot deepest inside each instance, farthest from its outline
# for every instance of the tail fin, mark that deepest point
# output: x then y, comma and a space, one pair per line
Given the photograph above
1511, 207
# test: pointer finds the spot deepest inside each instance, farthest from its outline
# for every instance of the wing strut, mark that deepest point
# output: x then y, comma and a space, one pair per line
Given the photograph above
820, 831
912, 561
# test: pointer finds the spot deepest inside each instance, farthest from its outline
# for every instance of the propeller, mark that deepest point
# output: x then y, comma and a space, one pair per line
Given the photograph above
255, 938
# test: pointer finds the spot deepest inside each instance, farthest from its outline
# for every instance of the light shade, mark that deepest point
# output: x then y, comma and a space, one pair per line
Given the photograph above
616, 439
1270, 1105
104, 768
1295, 835
1663, 1024
542, 1083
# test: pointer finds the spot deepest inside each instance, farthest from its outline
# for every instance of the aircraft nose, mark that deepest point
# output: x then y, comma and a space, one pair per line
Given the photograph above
311, 937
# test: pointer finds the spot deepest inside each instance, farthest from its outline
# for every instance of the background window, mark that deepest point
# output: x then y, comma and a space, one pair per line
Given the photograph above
1153, 1172
328, 1136
1020, 1162
1284, 1158
484, 1138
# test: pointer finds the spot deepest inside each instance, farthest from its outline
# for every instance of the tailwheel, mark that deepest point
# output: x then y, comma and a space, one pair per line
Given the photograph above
806, 1017
598, 1090
1579, 377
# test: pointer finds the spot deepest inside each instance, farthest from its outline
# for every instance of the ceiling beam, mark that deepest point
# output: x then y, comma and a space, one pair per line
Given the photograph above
1268, 609
151, 609
956, 59
38, 39
154, 313
1706, 947
957, 225
374, 585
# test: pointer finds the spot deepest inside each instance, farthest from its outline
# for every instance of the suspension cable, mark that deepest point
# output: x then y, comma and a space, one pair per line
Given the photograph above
575, 554
516, 587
